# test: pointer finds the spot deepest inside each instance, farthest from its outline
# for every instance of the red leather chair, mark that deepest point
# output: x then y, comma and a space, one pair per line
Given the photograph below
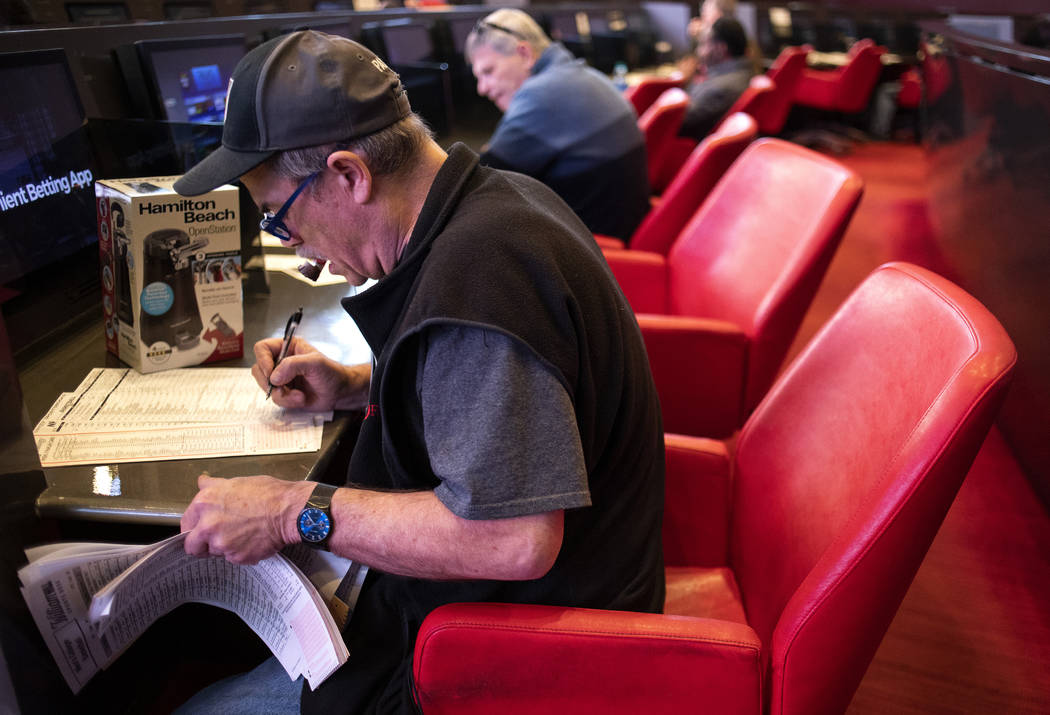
659, 125
911, 89
720, 311
702, 170
753, 101
784, 72
758, 93
846, 89
769, 102
786, 562
932, 77
642, 95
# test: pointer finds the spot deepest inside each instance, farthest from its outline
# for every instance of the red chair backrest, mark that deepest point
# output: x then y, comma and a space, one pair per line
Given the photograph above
755, 252
754, 98
859, 75
642, 95
846, 469
659, 125
693, 182
784, 72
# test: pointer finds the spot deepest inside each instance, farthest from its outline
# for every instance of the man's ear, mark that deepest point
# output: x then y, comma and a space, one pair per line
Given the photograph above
354, 174
524, 51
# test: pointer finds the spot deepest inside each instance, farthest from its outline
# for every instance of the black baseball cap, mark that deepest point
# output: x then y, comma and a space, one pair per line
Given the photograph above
299, 90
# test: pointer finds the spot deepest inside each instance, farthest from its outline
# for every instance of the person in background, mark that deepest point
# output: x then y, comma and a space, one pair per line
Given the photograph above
511, 448
563, 122
723, 52
710, 11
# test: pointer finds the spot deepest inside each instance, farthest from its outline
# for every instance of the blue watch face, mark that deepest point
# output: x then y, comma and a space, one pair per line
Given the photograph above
314, 525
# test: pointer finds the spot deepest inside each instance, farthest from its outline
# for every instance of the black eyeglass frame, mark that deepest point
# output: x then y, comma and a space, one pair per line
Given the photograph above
484, 24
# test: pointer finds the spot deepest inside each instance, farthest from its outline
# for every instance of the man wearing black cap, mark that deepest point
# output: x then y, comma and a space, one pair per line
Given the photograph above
511, 448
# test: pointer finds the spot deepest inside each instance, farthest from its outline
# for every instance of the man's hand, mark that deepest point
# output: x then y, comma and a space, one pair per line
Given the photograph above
307, 379
245, 519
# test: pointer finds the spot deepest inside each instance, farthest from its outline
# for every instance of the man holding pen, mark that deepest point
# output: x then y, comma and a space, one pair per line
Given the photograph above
512, 445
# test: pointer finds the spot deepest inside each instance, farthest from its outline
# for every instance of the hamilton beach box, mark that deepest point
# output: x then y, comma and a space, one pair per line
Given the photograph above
171, 270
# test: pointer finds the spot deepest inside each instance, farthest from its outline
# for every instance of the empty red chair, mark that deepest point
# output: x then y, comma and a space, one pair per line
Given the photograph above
720, 311
693, 183
846, 89
786, 562
659, 125
785, 73
642, 95
911, 89
932, 78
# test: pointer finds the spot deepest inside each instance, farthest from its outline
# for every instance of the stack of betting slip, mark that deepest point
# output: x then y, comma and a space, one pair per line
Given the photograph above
119, 415
91, 601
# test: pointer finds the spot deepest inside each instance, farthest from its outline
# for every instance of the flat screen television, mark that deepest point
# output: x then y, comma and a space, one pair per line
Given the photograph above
47, 204
406, 42
342, 28
564, 25
186, 78
187, 10
97, 13
669, 20
47, 194
460, 28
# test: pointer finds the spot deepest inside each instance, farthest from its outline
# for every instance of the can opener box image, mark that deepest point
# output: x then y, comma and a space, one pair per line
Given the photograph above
171, 273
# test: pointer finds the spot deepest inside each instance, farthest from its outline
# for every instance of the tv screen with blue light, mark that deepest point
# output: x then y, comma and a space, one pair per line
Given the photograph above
189, 77
47, 195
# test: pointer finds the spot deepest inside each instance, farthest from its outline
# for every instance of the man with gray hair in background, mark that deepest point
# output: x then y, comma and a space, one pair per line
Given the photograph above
563, 123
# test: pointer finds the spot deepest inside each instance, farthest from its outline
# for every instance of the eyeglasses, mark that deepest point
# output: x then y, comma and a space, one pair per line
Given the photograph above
273, 223
483, 25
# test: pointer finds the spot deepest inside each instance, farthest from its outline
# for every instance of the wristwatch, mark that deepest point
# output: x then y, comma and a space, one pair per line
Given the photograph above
315, 520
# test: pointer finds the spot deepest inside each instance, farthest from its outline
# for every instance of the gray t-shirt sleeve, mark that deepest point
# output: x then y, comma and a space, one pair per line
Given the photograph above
499, 427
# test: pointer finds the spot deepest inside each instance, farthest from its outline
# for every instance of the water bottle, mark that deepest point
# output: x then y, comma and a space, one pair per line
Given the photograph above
620, 76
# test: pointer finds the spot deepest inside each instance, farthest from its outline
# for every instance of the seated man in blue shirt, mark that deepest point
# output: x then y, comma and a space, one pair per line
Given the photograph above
723, 51
563, 123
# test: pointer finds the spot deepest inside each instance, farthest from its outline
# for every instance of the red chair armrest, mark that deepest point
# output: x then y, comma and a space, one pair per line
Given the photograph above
609, 242
697, 505
642, 277
509, 659
698, 365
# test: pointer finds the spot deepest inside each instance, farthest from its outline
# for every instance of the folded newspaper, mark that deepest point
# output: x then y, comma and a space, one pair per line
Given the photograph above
91, 600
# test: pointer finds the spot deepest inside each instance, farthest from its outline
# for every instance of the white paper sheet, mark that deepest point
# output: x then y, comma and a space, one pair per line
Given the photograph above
118, 415
91, 601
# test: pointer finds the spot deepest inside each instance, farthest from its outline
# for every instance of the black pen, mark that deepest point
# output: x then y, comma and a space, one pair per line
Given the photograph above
289, 332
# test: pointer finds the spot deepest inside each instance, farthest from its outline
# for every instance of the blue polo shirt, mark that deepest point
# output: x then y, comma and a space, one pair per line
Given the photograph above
569, 127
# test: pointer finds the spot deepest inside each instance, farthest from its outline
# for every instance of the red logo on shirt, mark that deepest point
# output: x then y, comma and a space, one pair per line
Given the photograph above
372, 410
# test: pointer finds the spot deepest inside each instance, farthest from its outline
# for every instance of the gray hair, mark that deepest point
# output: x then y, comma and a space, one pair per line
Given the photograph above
387, 151
503, 29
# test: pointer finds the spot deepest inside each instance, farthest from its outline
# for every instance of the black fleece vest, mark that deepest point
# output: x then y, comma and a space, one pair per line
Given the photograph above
501, 251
